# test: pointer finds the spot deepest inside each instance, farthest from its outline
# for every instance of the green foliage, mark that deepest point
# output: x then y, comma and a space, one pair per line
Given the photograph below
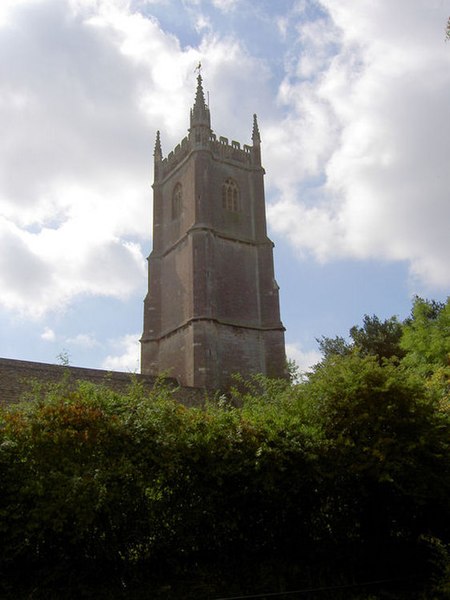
63, 358
426, 341
426, 336
333, 346
343, 476
378, 338
375, 337
386, 438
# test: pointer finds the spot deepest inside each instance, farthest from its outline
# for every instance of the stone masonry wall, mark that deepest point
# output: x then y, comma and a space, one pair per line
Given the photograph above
17, 377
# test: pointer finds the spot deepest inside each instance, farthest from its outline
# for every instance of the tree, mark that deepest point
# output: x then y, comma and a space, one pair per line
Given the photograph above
388, 450
333, 346
378, 338
426, 336
426, 342
374, 338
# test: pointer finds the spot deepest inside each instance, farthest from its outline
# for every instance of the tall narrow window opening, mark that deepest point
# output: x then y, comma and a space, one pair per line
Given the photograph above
230, 196
177, 199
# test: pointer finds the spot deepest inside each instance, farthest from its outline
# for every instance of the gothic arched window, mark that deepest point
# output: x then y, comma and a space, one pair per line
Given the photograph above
230, 195
177, 198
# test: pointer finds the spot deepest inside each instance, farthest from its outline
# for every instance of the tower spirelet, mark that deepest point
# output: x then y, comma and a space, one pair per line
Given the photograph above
256, 139
200, 112
157, 154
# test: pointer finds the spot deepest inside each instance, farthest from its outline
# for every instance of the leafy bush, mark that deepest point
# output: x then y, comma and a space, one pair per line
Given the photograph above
344, 476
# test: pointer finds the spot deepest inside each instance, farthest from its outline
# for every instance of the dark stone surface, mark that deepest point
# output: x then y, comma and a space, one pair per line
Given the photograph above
17, 378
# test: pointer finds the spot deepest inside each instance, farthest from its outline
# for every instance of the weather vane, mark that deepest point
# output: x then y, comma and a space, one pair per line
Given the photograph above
198, 68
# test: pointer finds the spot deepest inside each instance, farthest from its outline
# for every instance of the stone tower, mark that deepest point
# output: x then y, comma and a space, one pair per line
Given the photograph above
212, 306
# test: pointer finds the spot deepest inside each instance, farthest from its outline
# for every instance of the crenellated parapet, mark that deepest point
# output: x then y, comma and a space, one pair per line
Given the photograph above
220, 148
175, 157
223, 150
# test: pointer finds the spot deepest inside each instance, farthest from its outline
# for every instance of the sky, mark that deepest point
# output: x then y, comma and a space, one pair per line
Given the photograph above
353, 105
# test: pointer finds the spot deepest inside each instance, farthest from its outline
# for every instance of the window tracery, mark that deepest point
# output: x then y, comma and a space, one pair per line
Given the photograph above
230, 195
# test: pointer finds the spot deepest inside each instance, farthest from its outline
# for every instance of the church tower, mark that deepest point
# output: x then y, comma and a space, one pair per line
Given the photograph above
212, 306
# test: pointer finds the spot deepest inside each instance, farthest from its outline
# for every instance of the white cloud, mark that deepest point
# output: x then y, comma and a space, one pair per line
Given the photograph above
54, 265
84, 340
202, 23
84, 84
74, 157
362, 157
127, 355
225, 5
356, 147
304, 359
48, 335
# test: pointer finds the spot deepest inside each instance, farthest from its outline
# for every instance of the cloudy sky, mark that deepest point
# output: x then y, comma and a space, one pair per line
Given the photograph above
353, 101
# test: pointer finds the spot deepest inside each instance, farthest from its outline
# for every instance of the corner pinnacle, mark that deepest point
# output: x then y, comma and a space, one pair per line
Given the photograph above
157, 152
255, 133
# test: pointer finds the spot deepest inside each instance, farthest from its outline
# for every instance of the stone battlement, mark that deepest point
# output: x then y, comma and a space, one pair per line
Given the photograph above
220, 148
176, 156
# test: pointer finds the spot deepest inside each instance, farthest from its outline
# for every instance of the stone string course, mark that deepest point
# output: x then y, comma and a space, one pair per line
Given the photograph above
17, 378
